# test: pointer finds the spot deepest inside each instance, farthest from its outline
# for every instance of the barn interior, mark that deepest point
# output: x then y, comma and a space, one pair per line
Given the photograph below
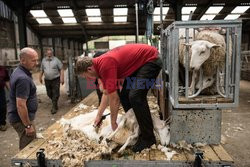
80, 27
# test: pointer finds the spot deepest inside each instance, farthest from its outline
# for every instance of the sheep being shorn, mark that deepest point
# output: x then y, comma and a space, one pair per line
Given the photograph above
207, 51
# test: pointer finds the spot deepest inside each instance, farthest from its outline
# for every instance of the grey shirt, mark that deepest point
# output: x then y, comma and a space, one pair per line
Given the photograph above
51, 67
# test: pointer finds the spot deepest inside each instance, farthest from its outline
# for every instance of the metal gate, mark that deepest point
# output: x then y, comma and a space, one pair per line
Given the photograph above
226, 82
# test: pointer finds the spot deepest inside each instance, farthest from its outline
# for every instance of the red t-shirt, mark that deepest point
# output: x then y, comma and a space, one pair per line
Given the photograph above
121, 62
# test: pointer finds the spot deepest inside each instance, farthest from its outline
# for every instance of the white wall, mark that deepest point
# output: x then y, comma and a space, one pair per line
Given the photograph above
116, 43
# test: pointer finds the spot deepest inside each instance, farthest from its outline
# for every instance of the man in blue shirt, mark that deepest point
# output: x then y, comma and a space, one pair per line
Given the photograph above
52, 68
23, 99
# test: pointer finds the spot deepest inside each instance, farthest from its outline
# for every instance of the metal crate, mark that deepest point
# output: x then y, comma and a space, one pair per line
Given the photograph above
178, 95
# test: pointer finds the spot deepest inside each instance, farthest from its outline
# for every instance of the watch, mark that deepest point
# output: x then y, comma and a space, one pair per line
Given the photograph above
28, 126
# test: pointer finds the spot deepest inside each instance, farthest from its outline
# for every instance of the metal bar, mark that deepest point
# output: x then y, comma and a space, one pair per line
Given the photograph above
176, 63
206, 106
186, 63
137, 25
233, 64
237, 63
227, 64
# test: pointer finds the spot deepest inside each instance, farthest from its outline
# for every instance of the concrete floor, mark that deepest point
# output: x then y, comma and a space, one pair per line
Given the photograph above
235, 127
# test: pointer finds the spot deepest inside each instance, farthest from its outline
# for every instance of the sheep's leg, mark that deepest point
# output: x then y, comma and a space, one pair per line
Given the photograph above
130, 139
192, 86
120, 125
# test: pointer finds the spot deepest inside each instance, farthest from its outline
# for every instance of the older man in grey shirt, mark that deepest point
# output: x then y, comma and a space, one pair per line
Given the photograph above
52, 68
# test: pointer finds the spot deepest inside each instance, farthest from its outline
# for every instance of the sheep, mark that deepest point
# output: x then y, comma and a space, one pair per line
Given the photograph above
209, 51
126, 133
161, 129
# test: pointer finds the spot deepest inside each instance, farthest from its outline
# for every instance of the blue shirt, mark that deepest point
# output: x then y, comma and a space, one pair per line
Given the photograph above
22, 86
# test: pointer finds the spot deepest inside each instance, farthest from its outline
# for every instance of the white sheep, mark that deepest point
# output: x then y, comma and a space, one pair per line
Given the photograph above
209, 51
127, 132
161, 129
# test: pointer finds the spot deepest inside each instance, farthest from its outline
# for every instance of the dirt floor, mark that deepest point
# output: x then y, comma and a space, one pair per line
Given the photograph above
235, 127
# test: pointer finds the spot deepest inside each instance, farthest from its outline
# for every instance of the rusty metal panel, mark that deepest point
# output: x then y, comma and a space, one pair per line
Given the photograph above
195, 126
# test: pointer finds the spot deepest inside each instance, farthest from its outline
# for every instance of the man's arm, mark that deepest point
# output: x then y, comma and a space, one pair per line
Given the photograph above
101, 108
40, 76
23, 113
114, 103
62, 76
7, 84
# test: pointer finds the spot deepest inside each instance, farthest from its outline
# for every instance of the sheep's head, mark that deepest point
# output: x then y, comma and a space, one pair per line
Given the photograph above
201, 51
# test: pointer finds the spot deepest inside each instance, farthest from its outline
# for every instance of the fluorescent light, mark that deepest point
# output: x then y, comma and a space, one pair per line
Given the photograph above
95, 19
240, 9
184, 17
187, 10
207, 17
38, 13
120, 11
93, 12
43, 21
164, 10
232, 17
120, 19
65, 12
214, 10
69, 20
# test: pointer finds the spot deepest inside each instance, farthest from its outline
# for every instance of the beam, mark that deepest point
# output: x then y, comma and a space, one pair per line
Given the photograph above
78, 18
204, 9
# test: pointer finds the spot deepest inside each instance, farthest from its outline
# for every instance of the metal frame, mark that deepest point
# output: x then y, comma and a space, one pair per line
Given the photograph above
170, 52
33, 162
143, 163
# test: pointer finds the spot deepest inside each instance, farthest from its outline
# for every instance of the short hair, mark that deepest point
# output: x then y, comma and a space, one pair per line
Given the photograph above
82, 64
51, 49
26, 51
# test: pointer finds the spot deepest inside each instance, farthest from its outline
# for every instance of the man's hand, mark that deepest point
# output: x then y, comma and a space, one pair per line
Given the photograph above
41, 80
114, 126
31, 131
62, 81
97, 120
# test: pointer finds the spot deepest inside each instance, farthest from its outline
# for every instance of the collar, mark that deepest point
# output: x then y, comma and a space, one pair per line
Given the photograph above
25, 70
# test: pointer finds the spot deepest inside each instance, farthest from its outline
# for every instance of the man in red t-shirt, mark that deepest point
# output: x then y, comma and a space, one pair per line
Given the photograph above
136, 66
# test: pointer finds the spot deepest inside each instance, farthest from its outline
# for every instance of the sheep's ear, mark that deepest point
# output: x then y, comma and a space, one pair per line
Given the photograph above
212, 45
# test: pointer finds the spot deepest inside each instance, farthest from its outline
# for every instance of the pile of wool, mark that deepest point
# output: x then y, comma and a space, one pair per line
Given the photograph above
73, 148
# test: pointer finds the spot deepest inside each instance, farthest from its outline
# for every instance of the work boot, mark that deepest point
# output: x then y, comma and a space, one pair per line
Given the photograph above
3, 127
142, 144
53, 110
55, 106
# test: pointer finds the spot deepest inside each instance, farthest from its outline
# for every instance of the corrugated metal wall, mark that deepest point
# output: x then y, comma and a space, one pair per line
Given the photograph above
5, 12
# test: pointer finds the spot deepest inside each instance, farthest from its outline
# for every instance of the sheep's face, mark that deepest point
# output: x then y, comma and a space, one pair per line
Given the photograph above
201, 50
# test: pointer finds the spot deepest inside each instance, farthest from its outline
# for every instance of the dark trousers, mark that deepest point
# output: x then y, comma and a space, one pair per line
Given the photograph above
134, 95
3, 107
53, 90
98, 91
24, 140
